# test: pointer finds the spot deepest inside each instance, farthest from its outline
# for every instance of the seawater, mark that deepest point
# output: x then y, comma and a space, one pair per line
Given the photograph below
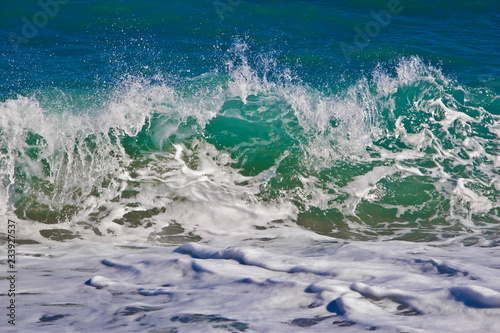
354, 119
250, 166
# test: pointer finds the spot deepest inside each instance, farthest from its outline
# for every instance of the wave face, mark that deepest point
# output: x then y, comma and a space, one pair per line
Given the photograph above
180, 120
403, 152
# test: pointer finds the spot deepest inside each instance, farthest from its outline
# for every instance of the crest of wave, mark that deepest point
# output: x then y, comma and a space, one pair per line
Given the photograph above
58, 159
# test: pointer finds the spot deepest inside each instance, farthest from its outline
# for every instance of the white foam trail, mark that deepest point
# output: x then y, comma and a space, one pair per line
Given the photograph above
361, 186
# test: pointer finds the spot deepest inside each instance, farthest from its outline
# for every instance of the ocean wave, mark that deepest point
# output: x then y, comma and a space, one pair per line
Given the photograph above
405, 152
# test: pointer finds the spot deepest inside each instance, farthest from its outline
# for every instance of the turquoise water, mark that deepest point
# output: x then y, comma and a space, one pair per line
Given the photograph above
356, 119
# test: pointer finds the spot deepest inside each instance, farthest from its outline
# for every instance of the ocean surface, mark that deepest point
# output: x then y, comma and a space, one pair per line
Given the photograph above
251, 166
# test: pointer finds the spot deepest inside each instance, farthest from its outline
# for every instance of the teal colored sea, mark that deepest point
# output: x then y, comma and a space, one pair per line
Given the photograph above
326, 131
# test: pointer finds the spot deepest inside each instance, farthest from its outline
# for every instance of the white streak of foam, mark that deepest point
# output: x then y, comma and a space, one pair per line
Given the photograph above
412, 170
478, 204
361, 186
450, 114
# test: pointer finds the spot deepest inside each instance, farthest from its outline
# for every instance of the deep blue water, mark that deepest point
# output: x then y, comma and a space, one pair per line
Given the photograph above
89, 43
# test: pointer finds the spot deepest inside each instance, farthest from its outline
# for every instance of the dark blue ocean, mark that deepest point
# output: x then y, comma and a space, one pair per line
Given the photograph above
89, 44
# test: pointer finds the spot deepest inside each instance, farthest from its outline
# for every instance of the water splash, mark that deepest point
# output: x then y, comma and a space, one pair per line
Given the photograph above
404, 152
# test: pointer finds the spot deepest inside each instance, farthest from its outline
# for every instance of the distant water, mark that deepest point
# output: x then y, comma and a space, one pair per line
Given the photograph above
355, 119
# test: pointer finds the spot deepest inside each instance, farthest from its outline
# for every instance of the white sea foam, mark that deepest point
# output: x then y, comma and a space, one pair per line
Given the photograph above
312, 284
